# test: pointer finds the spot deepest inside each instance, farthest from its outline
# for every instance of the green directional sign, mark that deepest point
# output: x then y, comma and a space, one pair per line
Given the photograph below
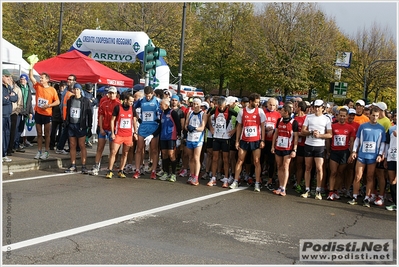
340, 89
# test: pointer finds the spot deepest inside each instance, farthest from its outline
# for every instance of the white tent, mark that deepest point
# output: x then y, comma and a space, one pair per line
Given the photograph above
11, 59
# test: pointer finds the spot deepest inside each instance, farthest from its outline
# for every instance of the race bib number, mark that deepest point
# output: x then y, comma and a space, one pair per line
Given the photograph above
392, 154
125, 123
194, 136
75, 113
148, 116
251, 131
282, 141
41, 102
339, 140
369, 147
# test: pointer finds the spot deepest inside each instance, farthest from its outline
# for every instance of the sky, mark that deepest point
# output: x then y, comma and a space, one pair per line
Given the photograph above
351, 16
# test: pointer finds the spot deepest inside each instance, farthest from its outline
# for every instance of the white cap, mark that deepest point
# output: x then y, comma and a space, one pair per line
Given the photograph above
205, 104
328, 105
307, 103
318, 102
231, 99
361, 102
381, 105
112, 89
352, 111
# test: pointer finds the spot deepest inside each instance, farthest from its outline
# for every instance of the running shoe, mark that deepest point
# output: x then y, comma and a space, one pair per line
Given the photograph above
153, 175
136, 175
61, 151
147, 169
38, 155
379, 201
164, 177
71, 169
318, 195
121, 174
44, 155
212, 182
353, 201
172, 178
257, 187
225, 183
109, 175
391, 208
183, 173
205, 176
194, 181
27, 144
366, 202
85, 170
6, 159
234, 185
298, 189
336, 195
94, 171
160, 173
189, 179
250, 181
306, 194
330, 196
280, 191
269, 186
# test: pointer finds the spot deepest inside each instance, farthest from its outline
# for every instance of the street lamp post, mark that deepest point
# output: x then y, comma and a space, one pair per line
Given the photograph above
366, 73
183, 27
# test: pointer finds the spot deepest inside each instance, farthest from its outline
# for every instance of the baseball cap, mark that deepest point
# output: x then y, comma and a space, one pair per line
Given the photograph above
361, 102
318, 102
205, 104
381, 105
352, 111
112, 89
245, 99
231, 99
6, 72
78, 86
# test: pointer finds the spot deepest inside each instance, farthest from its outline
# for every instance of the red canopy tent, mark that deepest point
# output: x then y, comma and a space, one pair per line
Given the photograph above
84, 68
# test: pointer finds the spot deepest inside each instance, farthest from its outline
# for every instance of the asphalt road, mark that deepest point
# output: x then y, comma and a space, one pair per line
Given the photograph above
81, 219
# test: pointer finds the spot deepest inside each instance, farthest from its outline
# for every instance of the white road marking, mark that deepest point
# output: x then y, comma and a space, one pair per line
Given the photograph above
90, 227
37, 177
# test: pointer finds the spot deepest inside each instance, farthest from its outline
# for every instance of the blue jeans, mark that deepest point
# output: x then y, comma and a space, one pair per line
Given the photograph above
63, 138
6, 134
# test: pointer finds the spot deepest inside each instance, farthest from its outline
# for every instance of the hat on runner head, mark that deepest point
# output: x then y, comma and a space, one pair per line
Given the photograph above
112, 89
360, 102
318, 102
76, 85
352, 111
245, 99
307, 103
205, 104
231, 99
196, 100
381, 105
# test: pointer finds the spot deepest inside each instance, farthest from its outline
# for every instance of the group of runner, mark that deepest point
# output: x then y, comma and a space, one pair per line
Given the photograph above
235, 142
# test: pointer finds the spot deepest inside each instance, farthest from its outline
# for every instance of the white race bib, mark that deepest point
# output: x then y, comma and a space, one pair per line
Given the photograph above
369, 147
339, 140
250, 131
41, 102
392, 154
282, 141
75, 113
125, 123
148, 116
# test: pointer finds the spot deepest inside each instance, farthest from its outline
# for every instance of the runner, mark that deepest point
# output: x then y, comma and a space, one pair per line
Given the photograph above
284, 146
250, 137
391, 157
368, 149
317, 129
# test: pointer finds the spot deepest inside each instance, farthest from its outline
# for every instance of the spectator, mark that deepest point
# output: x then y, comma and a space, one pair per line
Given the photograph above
9, 97
56, 121
16, 110
26, 113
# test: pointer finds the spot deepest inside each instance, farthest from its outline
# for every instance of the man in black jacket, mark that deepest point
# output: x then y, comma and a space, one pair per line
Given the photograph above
79, 120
